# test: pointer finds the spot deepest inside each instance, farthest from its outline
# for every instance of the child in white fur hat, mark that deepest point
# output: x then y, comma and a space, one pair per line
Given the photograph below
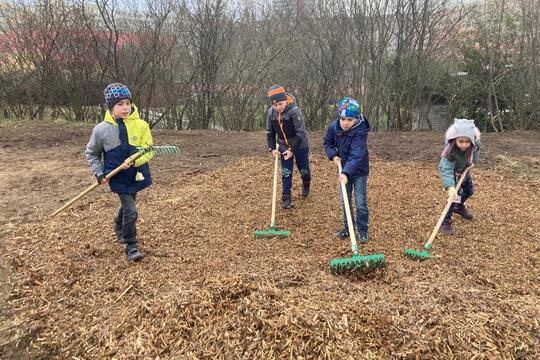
462, 148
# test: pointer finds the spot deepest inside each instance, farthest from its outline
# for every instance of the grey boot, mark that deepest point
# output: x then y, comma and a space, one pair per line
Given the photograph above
134, 254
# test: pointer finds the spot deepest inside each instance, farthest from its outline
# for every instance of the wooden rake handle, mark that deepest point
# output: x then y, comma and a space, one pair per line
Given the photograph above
352, 233
132, 158
447, 207
274, 190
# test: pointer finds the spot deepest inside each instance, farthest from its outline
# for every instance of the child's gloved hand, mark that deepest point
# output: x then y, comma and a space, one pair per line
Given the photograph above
287, 155
336, 160
101, 179
452, 192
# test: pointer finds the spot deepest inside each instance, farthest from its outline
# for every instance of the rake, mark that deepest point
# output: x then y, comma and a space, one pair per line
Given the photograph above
157, 150
424, 253
273, 231
356, 262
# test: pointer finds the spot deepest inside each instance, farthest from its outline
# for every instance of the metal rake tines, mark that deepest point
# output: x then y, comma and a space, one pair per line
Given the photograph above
160, 150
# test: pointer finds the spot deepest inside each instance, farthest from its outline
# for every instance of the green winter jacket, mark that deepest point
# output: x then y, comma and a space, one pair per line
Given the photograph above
449, 169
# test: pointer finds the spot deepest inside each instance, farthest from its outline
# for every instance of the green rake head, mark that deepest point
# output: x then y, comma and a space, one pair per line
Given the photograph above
272, 232
160, 150
356, 263
418, 255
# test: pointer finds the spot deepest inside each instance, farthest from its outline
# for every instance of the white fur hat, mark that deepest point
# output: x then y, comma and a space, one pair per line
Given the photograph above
463, 128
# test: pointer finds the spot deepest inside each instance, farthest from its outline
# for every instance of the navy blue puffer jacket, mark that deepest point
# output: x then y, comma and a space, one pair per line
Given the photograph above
350, 146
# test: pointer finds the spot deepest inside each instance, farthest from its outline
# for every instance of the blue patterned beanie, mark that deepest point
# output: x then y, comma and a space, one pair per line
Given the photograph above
349, 108
114, 93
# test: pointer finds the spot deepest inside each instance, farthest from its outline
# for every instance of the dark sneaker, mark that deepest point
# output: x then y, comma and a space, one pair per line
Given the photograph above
286, 201
305, 188
342, 233
134, 255
446, 228
462, 211
363, 238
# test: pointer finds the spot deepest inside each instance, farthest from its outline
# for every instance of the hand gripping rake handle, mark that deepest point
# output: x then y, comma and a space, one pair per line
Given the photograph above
447, 207
132, 158
274, 191
352, 233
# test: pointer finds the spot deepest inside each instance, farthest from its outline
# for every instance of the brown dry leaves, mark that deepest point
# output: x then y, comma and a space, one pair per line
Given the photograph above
207, 288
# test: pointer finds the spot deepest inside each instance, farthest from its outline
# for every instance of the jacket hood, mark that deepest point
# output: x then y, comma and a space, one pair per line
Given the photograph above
361, 124
291, 102
133, 116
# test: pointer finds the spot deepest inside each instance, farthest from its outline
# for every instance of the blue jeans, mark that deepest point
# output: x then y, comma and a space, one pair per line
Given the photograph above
126, 220
302, 163
359, 185
466, 191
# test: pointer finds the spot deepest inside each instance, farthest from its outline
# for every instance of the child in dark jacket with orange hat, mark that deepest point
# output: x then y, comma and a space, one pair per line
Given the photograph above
285, 122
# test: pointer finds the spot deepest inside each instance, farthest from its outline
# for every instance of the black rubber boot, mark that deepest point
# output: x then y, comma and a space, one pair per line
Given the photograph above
462, 211
305, 188
286, 201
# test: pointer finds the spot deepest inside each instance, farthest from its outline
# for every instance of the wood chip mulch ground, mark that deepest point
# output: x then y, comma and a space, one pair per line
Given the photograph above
207, 288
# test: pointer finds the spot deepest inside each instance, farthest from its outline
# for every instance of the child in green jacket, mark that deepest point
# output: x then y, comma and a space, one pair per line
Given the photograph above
462, 148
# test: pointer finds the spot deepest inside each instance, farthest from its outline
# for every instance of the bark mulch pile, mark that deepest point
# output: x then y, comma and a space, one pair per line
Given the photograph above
207, 288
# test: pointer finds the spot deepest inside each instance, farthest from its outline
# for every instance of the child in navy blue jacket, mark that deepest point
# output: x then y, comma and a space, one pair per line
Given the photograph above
345, 142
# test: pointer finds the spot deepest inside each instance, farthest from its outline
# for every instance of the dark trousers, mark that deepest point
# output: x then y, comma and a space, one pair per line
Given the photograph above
126, 220
302, 163
466, 191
